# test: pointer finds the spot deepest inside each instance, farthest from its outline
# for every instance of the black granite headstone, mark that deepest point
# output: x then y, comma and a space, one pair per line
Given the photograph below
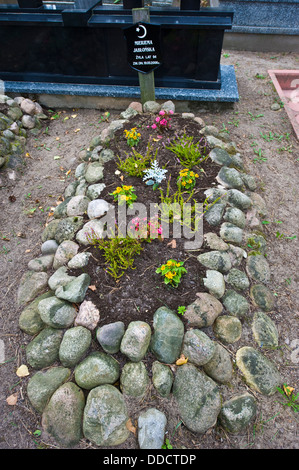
143, 47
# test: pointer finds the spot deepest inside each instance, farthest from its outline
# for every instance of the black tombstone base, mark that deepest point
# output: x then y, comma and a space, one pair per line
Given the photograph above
87, 45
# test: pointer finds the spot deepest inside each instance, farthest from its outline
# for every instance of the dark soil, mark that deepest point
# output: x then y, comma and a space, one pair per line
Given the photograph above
140, 291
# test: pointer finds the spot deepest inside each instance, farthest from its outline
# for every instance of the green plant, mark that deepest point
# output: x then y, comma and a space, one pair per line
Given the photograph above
132, 136
172, 272
124, 194
181, 309
136, 164
291, 400
187, 179
189, 153
167, 445
119, 253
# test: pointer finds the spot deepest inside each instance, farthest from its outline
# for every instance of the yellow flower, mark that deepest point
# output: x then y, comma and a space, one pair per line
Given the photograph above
183, 183
178, 265
117, 191
191, 173
169, 263
169, 275
123, 197
189, 181
163, 267
138, 135
196, 175
126, 188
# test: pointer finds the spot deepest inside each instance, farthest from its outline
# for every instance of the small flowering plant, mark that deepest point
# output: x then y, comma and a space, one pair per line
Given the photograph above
124, 194
154, 175
132, 136
187, 179
172, 272
145, 230
162, 121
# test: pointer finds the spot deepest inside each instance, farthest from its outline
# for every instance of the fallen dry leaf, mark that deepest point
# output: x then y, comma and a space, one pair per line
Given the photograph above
22, 371
68, 172
27, 251
130, 426
74, 116
172, 244
12, 399
93, 288
182, 360
77, 130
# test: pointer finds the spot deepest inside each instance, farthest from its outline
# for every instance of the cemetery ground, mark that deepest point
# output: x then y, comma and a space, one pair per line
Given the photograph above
265, 138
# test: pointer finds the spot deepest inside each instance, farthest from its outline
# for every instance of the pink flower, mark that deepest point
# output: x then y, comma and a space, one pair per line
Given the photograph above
162, 112
170, 111
154, 126
157, 119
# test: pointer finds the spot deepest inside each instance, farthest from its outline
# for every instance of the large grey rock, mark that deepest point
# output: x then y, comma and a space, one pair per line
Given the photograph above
162, 378
238, 199
260, 373
230, 233
109, 336
217, 260
67, 228
258, 268
56, 313
94, 172
134, 379
235, 303
97, 208
228, 329
214, 282
198, 347
230, 178
220, 366
235, 216
151, 107
59, 278
262, 297
151, 429
220, 156
105, 417
43, 350
30, 321
215, 213
97, 369
65, 252
94, 190
236, 413
62, 417
31, 285
80, 260
136, 340
74, 291
91, 230
74, 345
43, 384
77, 206
214, 242
203, 311
43, 263
198, 398
238, 279
264, 330
49, 247
168, 335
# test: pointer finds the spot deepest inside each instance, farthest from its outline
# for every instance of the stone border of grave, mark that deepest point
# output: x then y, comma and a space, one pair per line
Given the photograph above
23, 116
60, 333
